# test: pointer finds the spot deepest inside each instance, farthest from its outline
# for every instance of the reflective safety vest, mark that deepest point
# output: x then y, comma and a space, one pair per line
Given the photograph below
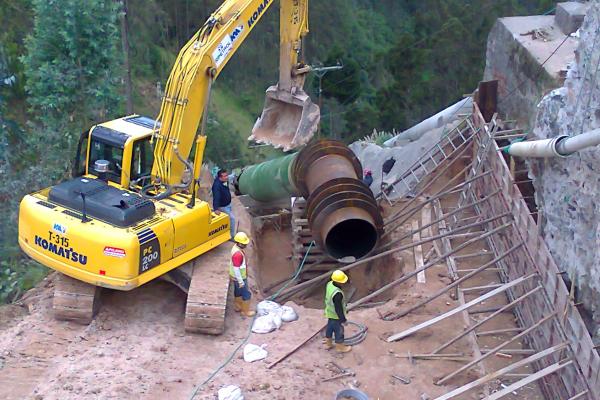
331, 291
242, 267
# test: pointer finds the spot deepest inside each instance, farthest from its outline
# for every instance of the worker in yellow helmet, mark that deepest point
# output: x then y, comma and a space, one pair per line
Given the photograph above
237, 273
335, 311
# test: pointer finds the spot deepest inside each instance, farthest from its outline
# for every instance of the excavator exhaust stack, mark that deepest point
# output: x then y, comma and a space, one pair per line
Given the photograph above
289, 119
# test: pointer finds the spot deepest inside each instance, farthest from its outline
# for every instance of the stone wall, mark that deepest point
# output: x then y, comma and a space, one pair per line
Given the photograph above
568, 189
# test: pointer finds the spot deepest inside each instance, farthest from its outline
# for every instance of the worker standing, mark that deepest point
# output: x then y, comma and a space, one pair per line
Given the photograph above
237, 272
368, 177
335, 311
222, 198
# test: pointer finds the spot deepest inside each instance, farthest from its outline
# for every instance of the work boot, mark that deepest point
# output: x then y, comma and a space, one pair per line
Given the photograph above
328, 343
237, 304
246, 311
342, 348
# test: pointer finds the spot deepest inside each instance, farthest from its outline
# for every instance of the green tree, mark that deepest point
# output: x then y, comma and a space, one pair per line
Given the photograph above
72, 62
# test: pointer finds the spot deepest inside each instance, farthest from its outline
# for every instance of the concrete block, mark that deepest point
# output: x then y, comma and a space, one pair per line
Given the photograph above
570, 15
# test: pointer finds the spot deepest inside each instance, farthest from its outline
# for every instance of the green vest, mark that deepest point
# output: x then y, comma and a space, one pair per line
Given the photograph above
242, 267
331, 291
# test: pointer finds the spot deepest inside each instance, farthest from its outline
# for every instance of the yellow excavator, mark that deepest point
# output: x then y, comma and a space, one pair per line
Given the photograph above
133, 215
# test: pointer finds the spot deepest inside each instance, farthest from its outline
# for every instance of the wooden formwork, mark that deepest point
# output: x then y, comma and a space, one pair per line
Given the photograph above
581, 379
555, 341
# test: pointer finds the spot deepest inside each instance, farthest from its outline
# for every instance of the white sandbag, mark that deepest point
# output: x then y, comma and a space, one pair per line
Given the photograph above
253, 353
264, 324
277, 321
288, 314
267, 307
230, 392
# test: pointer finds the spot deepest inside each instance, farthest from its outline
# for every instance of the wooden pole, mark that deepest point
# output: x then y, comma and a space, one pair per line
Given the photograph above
456, 310
440, 193
530, 379
454, 284
439, 219
497, 348
440, 173
503, 371
406, 214
323, 276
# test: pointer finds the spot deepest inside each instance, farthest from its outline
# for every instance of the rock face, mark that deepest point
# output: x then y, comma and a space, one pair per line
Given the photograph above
568, 189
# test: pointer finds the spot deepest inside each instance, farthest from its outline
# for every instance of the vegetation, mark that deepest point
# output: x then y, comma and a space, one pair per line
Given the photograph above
63, 64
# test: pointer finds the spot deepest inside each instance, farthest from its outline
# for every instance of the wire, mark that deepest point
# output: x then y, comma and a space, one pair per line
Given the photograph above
517, 87
243, 342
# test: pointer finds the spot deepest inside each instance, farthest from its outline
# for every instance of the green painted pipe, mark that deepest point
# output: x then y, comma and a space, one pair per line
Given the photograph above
270, 180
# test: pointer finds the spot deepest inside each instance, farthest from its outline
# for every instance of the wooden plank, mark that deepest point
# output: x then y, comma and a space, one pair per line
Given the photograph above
496, 349
457, 310
418, 252
502, 372
483, 321
530, 379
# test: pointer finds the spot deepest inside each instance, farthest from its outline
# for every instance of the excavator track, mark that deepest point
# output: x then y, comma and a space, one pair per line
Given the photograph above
207, 295
75, 300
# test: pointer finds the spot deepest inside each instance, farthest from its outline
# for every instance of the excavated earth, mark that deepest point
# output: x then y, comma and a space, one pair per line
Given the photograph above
136, 348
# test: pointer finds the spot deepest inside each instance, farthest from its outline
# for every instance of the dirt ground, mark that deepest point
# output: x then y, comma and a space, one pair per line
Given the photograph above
136, 348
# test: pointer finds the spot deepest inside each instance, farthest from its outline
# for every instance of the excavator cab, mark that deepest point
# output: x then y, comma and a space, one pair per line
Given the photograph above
289, 119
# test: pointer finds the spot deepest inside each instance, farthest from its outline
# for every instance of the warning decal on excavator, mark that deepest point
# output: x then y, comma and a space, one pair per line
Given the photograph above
149, 250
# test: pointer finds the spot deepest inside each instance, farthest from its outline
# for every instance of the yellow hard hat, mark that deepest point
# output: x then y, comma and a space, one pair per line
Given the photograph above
339, 276
241, 238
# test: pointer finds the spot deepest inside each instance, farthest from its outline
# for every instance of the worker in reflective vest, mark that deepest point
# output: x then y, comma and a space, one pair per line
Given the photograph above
237, 273
335, 311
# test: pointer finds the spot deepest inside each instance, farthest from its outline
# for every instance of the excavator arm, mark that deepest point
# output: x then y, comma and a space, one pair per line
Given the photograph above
200, 62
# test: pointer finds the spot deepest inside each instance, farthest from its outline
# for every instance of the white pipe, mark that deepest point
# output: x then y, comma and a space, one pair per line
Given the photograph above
579, 142
436, 121
536, 148
561, 146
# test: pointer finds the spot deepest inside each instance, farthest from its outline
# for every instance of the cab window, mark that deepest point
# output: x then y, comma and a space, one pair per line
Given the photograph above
143, 156
114, 155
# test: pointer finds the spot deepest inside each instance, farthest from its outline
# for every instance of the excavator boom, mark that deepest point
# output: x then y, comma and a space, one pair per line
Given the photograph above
289, 118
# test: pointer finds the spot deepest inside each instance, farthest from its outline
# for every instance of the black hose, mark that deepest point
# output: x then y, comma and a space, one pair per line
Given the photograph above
357, 337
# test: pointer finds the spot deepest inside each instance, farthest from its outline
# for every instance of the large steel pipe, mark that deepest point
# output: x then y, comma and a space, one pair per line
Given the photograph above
341, 210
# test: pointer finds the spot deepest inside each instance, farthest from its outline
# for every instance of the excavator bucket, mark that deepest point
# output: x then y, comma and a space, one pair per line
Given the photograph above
288, 119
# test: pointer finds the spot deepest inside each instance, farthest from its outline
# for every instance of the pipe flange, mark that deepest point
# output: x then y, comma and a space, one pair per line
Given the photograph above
315, 150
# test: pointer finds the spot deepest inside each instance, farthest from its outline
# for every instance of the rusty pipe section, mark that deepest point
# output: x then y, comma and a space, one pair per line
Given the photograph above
342, 213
